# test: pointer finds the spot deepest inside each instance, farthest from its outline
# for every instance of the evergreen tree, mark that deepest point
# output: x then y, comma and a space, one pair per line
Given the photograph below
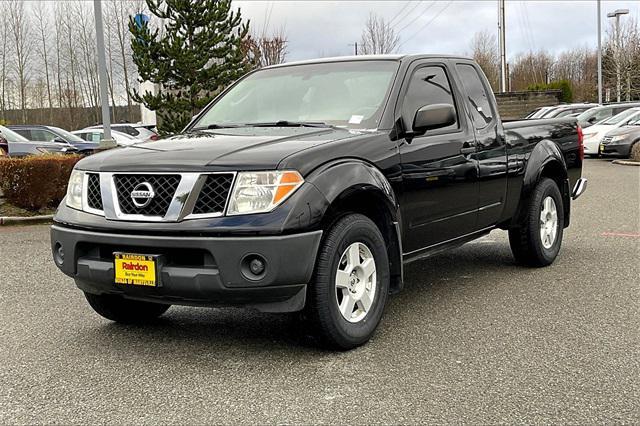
198, 53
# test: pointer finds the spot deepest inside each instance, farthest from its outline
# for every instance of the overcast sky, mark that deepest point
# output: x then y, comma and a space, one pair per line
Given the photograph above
327, 28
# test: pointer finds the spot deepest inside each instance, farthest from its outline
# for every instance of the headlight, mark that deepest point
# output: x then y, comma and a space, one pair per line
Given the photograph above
618, 138
259, 192
75, 189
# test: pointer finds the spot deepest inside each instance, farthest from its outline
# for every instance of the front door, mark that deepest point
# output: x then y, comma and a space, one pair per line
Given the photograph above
439, 172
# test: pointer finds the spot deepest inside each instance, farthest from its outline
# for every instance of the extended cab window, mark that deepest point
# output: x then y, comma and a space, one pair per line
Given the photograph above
477, 95
428, 86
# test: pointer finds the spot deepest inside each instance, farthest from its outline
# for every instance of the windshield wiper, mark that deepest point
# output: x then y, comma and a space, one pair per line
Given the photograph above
218, 126
287, 123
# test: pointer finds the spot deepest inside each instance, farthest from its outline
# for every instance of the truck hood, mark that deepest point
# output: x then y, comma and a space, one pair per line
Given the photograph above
247, 148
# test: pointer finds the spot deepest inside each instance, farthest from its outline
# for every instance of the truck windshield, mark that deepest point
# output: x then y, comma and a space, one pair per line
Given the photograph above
348, 94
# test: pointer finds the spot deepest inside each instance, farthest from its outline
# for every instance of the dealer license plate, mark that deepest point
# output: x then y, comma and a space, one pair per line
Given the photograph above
135, 269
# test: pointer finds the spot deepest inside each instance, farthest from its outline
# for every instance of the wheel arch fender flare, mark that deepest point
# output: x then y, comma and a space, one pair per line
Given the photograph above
348, 179
546, 160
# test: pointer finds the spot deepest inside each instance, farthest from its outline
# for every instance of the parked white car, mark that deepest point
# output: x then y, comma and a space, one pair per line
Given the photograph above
594, 134
95, 135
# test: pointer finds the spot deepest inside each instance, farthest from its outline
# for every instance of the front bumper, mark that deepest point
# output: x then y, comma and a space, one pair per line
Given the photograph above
204, 271
622, 149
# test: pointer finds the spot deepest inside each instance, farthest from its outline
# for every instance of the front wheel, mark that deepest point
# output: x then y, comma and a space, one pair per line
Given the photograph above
119, 309
351, 282
537, 240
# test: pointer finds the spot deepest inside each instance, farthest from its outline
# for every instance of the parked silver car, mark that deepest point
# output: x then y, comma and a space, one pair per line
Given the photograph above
19, 146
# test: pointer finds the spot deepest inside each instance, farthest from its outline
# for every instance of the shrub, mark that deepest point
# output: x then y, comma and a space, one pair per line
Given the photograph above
635, 151
563, 85
33, 183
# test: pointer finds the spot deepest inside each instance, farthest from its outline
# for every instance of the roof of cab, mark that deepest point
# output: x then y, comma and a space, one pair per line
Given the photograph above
390, 57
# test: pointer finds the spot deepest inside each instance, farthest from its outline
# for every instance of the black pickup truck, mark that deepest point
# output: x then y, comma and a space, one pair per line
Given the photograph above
305, 187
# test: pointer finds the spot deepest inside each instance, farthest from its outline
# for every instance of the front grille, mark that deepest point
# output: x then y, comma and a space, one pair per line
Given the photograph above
214, 194
94, 197
164, 187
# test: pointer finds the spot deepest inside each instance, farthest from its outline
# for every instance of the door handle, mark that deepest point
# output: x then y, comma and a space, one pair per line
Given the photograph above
467, 148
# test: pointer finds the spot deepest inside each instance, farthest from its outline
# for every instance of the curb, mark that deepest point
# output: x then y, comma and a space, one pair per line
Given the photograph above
13, 220
626, 162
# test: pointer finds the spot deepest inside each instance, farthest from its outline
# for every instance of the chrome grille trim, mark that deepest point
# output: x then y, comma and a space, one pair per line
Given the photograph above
181, 205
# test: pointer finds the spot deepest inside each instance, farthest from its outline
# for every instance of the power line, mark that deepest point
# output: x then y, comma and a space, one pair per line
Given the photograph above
407, 15
398, 14
427, 24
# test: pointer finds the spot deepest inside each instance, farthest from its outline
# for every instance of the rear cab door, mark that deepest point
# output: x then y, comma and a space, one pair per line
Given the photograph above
491, 155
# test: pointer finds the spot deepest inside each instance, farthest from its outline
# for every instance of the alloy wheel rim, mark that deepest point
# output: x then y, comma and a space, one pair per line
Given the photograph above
355, 284
548, 222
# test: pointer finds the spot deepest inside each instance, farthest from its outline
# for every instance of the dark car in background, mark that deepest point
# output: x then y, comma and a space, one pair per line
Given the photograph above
619, 142
37, 133
600, 113
19, 146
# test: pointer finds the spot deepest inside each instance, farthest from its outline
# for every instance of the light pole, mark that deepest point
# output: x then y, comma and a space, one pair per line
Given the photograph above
107, 141
599, 54
503, 47
617, 14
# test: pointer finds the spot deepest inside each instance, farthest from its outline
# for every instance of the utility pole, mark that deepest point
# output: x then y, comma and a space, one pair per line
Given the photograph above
107, 141
617, 14
503, 47
355, 47
599, 54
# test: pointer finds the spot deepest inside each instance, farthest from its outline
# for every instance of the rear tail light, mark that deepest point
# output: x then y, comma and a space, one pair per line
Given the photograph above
580, 143
154, 137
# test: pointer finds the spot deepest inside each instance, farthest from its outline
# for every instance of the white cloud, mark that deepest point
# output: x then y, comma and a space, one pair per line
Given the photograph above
323, 28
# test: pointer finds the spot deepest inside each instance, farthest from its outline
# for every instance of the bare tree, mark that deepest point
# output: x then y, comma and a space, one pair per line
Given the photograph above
622, 58
378, 36
579, 67
20, 29
4, 54
40, 12
267, 50
530, 69
121, 11
484, 49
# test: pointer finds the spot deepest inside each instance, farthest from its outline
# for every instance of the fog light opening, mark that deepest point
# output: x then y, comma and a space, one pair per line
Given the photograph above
253, 267
58, 254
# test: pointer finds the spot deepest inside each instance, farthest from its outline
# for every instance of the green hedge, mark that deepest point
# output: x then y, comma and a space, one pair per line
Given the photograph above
33, 183
562, 85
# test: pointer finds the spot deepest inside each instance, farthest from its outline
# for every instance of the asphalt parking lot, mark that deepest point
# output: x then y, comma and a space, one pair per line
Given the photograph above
473, 338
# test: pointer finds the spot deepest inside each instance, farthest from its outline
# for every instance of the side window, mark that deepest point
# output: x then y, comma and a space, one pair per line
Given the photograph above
428, 86
477, 95
42, 135
24, 132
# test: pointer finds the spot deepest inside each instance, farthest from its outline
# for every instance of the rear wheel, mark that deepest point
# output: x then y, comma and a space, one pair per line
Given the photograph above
119, 309
537, 240
351, 283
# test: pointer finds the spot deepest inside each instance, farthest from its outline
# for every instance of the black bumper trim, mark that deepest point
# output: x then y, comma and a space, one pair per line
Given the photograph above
290, 260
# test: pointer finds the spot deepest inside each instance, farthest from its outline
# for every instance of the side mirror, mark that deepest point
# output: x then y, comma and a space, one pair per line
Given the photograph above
434, 116
591, 120
58, 139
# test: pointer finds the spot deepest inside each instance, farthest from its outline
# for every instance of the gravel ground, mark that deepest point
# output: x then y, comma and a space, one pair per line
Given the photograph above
472, 339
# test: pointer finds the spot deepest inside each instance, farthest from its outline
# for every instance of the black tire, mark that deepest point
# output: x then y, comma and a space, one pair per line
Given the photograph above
119, 309
525, 239
322, 310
